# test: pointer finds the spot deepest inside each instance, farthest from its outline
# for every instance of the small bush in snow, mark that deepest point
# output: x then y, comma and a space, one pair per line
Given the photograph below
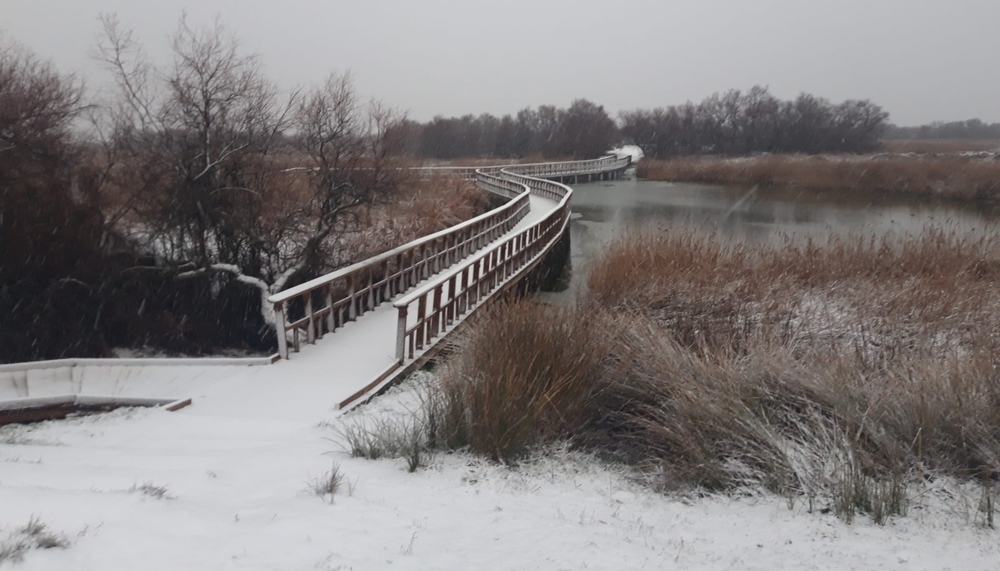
15, 543
327, 484
151, 490
390, 437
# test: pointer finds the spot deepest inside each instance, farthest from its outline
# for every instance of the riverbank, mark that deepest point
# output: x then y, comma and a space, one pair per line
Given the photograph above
961, 176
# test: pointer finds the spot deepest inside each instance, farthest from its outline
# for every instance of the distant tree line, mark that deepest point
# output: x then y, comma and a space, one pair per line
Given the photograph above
732, 123
974, 129
755, 121
583, 130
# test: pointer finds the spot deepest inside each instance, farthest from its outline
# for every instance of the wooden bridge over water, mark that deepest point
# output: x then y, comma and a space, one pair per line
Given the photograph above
395, 308
362, 326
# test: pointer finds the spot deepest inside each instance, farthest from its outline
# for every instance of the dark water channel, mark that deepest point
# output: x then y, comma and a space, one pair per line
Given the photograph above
604, 210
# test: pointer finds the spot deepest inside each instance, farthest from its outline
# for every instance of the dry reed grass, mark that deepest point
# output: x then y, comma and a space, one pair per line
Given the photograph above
948, 176
891, 294
522, 378
832, 372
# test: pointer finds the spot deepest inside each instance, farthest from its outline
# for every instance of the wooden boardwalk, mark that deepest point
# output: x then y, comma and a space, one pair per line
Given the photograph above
345, 335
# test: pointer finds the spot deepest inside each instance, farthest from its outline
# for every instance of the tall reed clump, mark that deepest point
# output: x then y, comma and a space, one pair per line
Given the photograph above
953, 176
524, 376
837, 367
835, 372
880, 295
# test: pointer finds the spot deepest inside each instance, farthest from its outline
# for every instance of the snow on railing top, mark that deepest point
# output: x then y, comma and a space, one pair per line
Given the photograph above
554, 168
444, 277
326, 303
332, 276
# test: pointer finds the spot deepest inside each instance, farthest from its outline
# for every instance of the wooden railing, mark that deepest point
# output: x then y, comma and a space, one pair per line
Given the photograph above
559, 168
446, 299
324, 304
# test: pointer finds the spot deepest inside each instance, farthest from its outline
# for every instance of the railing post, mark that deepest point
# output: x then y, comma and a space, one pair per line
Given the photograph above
474, 286
436, 327
449, 313
464, 296
421, 322
311, 332
401, 335
279, 326
331, 322
352, 313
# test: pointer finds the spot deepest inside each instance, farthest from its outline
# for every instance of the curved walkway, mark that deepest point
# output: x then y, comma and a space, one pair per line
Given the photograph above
359, 341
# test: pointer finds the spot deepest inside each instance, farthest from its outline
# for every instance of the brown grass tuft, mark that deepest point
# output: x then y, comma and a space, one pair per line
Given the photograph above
523, 378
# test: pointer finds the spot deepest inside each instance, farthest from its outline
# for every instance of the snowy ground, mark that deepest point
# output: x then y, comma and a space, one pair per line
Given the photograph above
235, 495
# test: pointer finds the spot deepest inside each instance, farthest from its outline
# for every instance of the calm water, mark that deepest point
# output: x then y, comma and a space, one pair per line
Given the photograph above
603, 210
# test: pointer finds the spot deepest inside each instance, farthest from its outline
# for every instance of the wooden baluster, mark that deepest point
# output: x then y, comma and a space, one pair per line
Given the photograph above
371, 289
331, 322
279, 327
352, 312
398, 280
464, 293
421, 320
383, 282
504, 259
474, 286
401, 335
413, 269
450, 312
436, 327
311, 332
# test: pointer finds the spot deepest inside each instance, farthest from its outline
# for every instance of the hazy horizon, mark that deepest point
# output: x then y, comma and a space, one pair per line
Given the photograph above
921, 61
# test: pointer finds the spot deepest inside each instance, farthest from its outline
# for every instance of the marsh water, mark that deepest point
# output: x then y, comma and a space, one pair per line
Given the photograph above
604, 210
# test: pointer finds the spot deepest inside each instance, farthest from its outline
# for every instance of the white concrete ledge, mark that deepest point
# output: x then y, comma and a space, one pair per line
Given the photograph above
140, 362
18, 405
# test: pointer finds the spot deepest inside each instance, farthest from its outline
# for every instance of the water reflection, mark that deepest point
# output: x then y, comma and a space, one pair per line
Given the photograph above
602, 211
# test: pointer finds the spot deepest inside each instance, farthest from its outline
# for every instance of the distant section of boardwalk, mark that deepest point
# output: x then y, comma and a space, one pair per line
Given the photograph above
345, 335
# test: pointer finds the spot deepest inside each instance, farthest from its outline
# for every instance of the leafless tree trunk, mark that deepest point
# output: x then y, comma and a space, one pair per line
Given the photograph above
207, 147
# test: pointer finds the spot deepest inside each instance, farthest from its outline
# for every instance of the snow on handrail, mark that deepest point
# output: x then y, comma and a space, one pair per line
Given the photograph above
370, 282
326, 278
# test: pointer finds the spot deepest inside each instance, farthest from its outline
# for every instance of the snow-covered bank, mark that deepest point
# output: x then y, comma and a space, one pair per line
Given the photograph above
236, 496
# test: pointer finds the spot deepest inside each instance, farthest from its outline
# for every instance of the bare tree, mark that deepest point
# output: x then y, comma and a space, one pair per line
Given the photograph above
222, 172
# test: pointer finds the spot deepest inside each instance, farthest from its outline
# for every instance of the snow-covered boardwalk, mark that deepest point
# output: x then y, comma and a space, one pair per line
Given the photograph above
345, 335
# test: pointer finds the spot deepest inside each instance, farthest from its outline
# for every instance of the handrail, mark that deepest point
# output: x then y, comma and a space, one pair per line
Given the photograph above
325, 303
316, 282
445, 299
602, 164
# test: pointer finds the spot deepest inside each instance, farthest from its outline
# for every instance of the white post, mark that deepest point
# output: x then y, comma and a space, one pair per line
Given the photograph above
279, 326
401, 336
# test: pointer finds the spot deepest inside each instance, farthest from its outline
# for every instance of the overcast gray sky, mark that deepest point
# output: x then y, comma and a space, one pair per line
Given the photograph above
922, 60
